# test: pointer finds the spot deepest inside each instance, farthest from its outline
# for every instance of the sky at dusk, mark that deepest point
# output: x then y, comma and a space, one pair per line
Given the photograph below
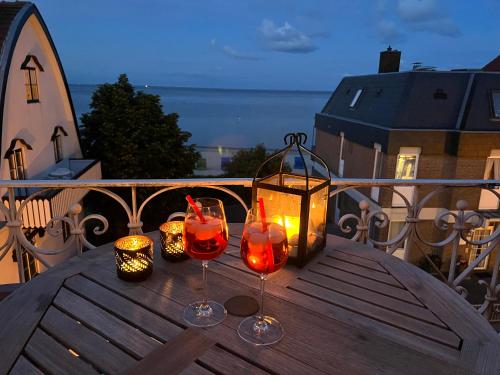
275, 44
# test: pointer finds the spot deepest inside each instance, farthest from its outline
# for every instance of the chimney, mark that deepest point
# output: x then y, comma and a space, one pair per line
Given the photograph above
389, 61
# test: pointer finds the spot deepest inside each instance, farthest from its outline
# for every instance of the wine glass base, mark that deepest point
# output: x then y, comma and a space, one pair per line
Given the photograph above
199, 314
266, 332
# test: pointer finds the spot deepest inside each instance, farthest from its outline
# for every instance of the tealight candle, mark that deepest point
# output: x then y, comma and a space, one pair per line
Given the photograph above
134, 257
172, 245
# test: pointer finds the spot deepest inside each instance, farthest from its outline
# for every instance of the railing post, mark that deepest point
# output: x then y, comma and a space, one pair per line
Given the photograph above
74, 212
458, 228
14, 225
134, 226
492, 289
362, 227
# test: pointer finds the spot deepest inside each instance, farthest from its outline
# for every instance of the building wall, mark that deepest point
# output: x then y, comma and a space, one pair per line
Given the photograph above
35, 122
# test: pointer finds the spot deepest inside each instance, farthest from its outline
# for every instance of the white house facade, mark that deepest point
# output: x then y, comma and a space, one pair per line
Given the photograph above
39, 131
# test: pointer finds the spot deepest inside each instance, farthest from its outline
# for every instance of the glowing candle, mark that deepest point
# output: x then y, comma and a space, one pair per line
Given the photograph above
172, 245
134, 257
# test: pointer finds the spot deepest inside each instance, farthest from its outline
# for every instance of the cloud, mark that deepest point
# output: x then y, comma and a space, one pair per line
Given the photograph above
427, 15
231, 52
284, 38
389, 32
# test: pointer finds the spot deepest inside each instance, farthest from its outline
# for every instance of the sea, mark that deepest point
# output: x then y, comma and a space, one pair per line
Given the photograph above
230, 117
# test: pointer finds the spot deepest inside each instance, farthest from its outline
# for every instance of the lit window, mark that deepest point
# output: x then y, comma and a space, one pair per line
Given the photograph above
355, 100
475, 251
30, 66
495, 104
31, 85
406, 167
16, 165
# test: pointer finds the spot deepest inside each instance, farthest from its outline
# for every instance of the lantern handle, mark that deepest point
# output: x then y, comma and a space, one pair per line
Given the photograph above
295, 138
300, 138
275, 155
176, 214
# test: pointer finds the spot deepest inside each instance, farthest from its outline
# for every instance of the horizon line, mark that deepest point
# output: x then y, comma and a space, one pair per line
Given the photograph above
207, 88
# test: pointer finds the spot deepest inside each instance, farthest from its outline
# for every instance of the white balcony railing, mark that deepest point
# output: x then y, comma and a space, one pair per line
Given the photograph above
366, 224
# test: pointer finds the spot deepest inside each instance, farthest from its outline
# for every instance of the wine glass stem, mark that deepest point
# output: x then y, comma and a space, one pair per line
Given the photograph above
204, 264
262, 284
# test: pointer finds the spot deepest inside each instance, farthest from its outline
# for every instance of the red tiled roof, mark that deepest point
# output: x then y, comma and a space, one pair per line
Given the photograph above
493, 65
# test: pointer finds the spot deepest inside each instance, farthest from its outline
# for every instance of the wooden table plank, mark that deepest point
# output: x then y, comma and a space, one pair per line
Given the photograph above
94, 348
347, 277
389, 317
326, 309
195, 369
367, 263
377, 299
337, 264
121, 334
441, 299
24, 367
228, 363
175, 355
160, 297
128, 311
21, 311
54, 358
299, 345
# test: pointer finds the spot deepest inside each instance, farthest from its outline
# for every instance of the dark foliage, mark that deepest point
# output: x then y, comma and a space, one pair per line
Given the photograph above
245, 163
132, 137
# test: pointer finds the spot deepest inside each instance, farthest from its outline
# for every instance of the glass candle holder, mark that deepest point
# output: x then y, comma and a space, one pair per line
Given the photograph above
172, 245
134, 257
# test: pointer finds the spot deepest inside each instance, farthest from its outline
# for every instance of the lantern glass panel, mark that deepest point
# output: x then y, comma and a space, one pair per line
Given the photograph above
316, 229
284, 209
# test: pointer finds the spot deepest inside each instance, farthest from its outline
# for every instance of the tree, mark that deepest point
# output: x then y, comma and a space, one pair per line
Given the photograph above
132, 137
246, 162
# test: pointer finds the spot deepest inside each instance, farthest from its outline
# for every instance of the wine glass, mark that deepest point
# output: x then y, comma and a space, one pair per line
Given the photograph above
264, 249
205, 237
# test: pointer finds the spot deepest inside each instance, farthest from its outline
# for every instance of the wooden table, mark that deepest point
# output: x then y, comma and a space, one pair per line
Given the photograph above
351, 310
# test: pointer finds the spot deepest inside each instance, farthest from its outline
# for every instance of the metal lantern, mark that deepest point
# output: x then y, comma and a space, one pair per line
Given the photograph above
297, 201
134, 257
172, 245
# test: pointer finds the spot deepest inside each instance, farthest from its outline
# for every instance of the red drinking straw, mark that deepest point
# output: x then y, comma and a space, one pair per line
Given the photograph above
262, 214
269, 248
196, 208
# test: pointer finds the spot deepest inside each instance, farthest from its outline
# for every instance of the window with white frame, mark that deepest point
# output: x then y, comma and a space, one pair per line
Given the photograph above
356, 98
406, 169
476, 250
488, 200
16, 165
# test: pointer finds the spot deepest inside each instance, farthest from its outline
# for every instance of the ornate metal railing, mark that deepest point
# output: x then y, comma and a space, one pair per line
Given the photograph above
369, 223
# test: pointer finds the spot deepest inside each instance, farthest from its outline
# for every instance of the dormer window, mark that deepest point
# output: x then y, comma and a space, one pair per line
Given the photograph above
495, 104
57, 141
16, 157
355, 99
30, 66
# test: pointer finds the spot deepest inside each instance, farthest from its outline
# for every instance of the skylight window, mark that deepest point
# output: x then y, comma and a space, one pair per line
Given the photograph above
495, 104
355, 100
